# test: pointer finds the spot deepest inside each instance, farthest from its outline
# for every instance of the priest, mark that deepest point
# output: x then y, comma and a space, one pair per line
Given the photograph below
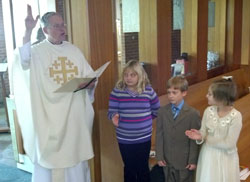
57, 135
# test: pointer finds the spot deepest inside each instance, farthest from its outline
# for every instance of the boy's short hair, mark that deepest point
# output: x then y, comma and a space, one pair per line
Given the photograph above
178, 82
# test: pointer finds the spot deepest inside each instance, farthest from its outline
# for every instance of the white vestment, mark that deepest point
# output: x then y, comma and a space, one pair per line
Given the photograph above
58, 133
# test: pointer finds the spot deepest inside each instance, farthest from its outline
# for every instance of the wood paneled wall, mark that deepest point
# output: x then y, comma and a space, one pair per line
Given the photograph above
148, 31
163, 68
102, 49
189, 33
111, 161
76, 17
237, 33
202, 40
230, 31
93, 30
148, 37
78, 25
245, 45
234, 30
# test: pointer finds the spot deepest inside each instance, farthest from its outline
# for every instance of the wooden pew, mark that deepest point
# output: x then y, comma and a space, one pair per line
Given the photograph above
246, 69
243, 144
111, 161
243, 105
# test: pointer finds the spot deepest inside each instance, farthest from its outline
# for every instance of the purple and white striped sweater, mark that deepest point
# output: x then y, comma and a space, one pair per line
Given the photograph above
136, 113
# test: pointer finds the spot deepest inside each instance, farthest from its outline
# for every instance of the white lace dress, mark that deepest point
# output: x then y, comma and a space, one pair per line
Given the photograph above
218, 159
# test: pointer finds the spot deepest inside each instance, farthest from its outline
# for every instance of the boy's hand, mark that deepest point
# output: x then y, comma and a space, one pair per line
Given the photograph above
193, 134
191, 167
162, 163
115, 119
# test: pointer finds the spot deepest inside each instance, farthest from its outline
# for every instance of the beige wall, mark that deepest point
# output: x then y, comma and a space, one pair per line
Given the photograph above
230, 31
245, 44
189, 33
78, 25
148, 31
216, 34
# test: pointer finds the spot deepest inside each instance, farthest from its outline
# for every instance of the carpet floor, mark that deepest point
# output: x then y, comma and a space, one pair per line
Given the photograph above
12, 174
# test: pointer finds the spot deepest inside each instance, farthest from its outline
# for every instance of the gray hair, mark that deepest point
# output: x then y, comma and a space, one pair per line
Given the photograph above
46, 16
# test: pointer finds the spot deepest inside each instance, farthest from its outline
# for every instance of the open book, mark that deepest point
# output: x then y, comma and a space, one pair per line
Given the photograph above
72, 85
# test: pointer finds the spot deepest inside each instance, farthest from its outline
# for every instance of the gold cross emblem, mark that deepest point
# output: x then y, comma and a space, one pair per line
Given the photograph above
62, 70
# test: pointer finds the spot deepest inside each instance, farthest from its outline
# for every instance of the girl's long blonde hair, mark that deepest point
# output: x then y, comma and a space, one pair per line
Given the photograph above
143, 80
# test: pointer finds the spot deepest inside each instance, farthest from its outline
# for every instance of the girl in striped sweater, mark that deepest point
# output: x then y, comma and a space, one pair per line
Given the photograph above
133, 104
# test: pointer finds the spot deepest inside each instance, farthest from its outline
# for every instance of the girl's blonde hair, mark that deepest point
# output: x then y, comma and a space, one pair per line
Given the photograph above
143, 80
224, 90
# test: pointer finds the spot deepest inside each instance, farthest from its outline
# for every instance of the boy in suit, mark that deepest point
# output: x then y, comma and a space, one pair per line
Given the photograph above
175, 152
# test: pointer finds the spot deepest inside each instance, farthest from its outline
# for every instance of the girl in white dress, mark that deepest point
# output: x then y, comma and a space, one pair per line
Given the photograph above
220, 129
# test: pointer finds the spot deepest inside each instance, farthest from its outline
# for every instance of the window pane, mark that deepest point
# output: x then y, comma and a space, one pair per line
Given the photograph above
216, 33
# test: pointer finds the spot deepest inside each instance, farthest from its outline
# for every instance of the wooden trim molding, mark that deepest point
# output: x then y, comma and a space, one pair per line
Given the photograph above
102, 49
237, 33
234, 34
202, 30
163, 67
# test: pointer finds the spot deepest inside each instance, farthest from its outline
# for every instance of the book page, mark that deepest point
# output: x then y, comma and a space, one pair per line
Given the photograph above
97, 73
73, 84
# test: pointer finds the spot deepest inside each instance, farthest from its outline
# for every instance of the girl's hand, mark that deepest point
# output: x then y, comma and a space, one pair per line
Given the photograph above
191, 167
193, 134
115, 119
162, 163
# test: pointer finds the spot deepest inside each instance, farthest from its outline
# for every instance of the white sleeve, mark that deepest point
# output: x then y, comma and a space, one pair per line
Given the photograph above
25, 55
87, 69
91, 92
229, 142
